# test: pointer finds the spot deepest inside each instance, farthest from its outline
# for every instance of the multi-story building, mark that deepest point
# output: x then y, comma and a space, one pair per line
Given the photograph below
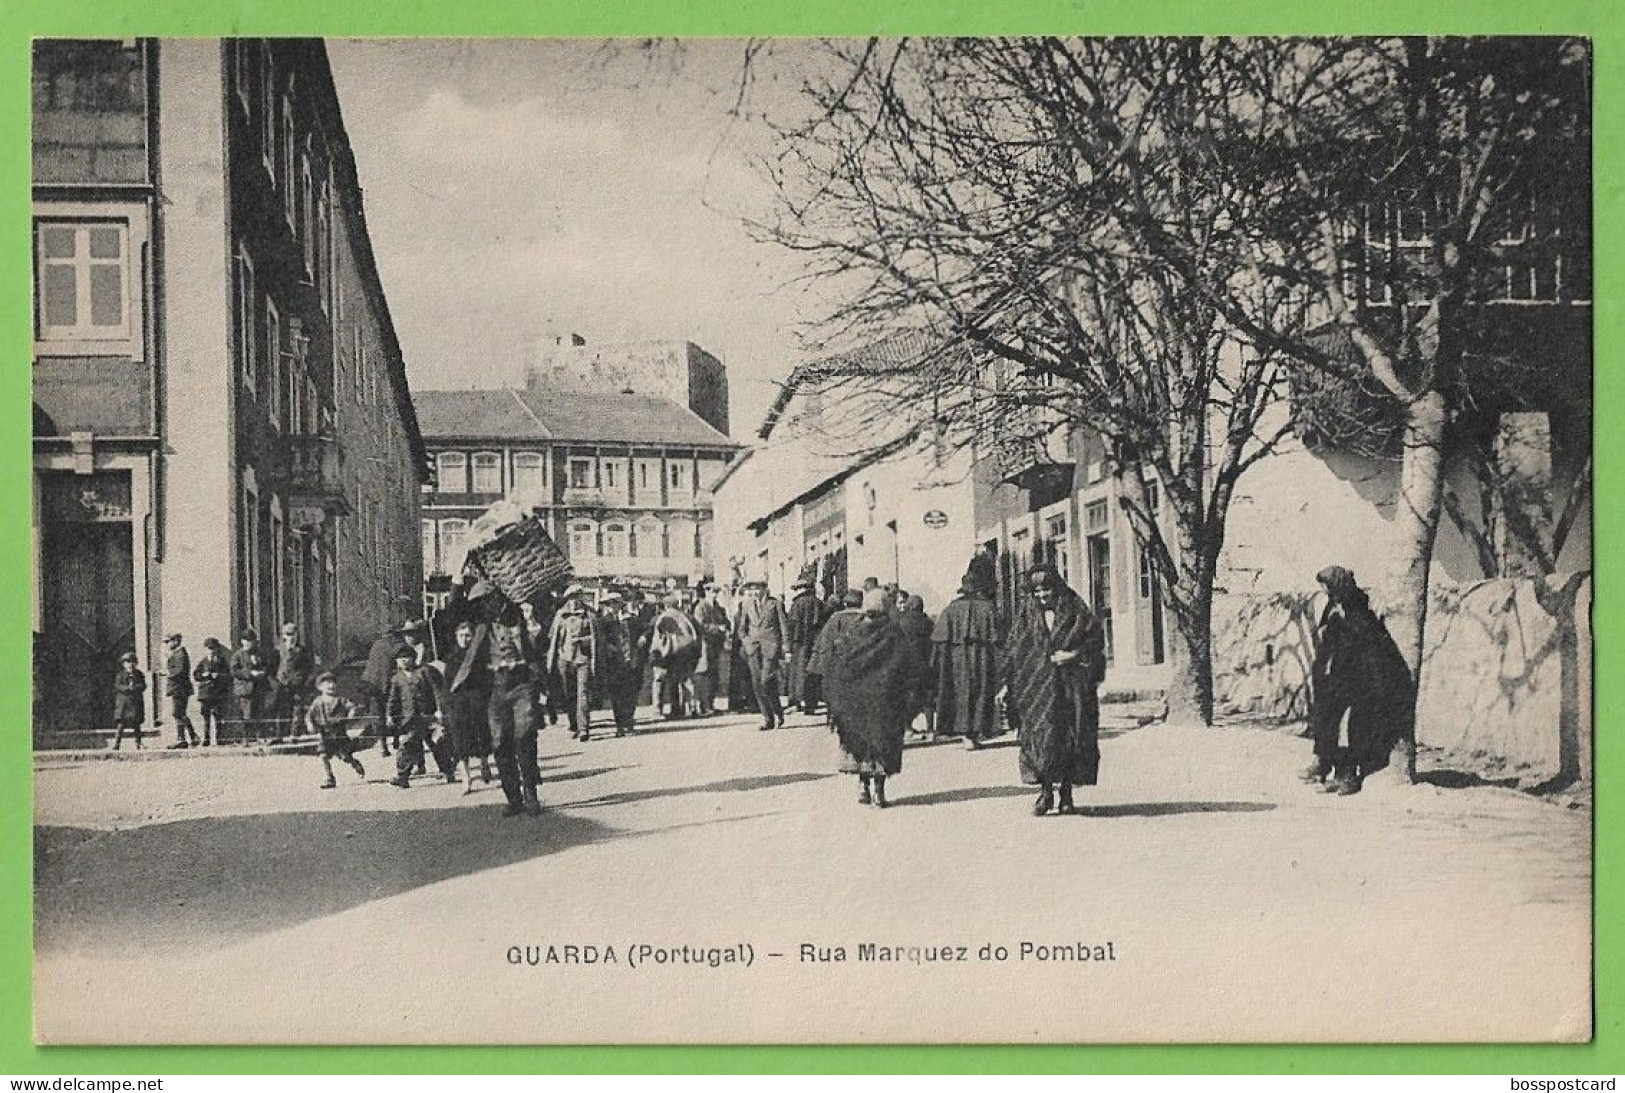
223, 432
623, 481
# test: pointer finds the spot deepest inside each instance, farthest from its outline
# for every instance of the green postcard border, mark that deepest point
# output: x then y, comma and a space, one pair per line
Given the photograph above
22, 19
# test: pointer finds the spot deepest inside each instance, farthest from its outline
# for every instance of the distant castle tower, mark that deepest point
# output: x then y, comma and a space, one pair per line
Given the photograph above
675, 369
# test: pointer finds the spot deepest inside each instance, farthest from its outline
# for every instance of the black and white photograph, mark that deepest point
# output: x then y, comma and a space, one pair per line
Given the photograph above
812, 541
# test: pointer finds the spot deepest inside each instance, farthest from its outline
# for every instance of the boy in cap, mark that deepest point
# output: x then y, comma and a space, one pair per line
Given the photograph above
213, 678
409, 710
178, 689
328, 717
129, 712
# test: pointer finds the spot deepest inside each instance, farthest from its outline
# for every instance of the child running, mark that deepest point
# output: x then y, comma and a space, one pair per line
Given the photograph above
329, 718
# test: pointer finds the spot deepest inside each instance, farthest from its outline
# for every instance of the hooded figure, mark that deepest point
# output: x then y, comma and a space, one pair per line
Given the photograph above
1363, 699
674, 650
869, 663
965, 656
1054, 661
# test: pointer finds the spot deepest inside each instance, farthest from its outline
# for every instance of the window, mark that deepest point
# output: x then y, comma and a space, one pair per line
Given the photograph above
249, 565
244, 79
649, 540
615, 541
307, 213
583, 539
83, 281
452, 534
248, 330
290, 197
487, 472
677, 476
279, 552
324, 269
451, 472
611, 472
268, 110
581, 474
1095, 515
273, 359
529, 475
681, 541
431, 562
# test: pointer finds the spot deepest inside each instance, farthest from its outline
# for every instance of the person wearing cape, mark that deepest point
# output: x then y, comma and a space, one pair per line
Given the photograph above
965, 656
1054, 661
868, 665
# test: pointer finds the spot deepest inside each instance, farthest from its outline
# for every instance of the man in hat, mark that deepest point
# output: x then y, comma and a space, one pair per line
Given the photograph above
512, 714
763, 635
572, 658
965, 653
617, 661
250, 679
712, 619
380, 666
293, 668
805, 618
178, 689
1055, 659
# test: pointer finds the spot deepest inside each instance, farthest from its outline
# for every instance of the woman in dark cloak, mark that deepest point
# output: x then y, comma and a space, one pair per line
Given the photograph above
916, 626
965, 655
468, 696
1363, 700
1054, 662
867, 665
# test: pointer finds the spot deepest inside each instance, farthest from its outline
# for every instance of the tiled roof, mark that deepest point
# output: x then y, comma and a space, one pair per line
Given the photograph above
550, 414
904, 351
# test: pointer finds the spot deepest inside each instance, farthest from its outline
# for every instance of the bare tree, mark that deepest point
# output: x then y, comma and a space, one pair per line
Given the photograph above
1425, 184
1048, 210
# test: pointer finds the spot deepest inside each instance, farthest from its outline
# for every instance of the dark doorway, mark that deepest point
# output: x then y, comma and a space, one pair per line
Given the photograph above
89, 621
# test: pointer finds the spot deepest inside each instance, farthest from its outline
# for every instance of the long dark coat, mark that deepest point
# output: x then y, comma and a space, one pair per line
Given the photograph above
1358, 670
1055, 707
965, 655
468, 696
805, 618
868, 664
917, 627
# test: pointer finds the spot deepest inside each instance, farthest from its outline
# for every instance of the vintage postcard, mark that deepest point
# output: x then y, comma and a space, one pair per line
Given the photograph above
936, 540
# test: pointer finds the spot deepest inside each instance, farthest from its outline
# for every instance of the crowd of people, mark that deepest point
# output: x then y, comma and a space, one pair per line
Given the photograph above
475, 684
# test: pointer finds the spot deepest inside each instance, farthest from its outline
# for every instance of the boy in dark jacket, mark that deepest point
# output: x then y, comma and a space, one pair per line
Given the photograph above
129, 707
410, 706
178, 689
213, 678
328, 717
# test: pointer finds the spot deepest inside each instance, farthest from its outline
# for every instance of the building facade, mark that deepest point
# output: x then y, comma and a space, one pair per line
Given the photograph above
623, 482
848, 489
223, 433
671, 369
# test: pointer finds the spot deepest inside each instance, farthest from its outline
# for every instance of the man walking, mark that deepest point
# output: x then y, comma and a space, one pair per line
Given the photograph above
712, 619
763, 635
805, 618
178, 689
572, 658
512, 713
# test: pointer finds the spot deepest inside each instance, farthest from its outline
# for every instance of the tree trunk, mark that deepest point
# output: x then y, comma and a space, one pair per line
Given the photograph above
1421, 495
1190, 679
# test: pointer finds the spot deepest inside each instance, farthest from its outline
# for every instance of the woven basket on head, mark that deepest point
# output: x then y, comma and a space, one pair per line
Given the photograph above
521, 561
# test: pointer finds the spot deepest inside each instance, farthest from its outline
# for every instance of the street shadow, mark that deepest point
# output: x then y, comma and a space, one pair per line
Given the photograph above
1172, 808
576, 775
1462, 779
215, 880
959, 796
729, 785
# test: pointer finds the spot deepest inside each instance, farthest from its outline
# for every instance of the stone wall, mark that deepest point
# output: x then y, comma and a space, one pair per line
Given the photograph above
1506, 683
